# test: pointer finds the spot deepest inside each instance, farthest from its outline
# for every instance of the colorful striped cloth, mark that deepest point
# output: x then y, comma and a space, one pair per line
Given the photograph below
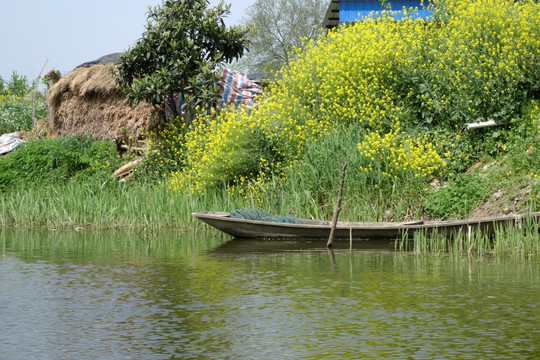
236, 90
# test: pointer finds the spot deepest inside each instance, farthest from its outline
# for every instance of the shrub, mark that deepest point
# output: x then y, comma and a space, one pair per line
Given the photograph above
57, 161
165, 152
458, 198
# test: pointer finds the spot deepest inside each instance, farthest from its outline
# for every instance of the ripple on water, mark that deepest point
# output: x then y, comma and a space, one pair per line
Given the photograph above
260, 306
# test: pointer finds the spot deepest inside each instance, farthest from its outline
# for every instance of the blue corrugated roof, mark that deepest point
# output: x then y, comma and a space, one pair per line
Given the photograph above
348, 11
356, 10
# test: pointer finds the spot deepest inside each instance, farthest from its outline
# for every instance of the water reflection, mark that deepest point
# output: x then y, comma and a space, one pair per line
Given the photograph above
187, 295
245, 246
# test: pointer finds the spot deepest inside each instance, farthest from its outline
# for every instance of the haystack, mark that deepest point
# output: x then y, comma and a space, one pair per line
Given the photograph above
88, 102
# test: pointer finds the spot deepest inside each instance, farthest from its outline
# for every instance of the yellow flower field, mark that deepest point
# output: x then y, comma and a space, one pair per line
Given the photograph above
412, 85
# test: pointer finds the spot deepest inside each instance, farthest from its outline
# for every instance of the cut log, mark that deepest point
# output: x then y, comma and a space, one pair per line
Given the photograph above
126, 169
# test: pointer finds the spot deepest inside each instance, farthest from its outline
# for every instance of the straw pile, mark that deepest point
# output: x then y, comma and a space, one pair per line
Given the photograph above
88, 102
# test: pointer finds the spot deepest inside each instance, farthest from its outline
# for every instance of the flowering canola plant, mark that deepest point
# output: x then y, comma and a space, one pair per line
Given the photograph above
535, 117
409, 83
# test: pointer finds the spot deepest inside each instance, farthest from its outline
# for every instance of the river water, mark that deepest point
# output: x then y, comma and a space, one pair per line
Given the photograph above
182, 295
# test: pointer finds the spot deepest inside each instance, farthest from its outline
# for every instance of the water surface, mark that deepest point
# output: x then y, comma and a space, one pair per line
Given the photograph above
202, 296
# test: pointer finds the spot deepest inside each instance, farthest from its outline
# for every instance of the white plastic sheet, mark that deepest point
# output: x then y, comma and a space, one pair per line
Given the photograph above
9, 142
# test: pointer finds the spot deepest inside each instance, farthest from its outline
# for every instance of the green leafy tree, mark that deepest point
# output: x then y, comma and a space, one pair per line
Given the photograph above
17, 86
277, 27
184, 42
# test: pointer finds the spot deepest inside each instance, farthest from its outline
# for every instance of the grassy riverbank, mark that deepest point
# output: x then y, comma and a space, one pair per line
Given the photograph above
67, 183
391, 98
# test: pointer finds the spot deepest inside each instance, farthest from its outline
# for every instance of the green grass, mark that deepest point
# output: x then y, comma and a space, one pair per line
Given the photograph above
58, 161
113, 206
90, 206
521, 242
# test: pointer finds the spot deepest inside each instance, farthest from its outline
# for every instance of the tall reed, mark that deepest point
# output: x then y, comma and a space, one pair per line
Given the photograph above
83, 205
136, 205
519, 242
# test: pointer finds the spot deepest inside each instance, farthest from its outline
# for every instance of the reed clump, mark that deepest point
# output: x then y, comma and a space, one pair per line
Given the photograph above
518, 242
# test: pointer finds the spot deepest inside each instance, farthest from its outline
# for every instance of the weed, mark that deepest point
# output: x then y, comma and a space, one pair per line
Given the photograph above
457, 198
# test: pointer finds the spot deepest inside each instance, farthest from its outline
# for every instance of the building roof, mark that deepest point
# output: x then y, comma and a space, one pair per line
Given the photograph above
331, 19
352, 10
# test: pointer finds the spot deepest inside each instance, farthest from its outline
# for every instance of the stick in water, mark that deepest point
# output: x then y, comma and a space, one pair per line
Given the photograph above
338, 208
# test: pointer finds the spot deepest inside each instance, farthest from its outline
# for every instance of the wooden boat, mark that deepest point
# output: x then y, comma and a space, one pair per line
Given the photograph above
313, 229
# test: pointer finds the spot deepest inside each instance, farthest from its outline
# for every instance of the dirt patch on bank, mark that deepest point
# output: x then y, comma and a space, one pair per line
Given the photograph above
503, 202
510, 197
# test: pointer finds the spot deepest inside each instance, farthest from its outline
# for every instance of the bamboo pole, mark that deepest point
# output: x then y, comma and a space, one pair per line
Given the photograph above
338, 207
35, 85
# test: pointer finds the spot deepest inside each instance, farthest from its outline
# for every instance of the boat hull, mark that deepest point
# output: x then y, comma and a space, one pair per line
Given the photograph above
244, 228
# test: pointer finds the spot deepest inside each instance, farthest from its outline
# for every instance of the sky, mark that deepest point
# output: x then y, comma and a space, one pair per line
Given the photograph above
62, 34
